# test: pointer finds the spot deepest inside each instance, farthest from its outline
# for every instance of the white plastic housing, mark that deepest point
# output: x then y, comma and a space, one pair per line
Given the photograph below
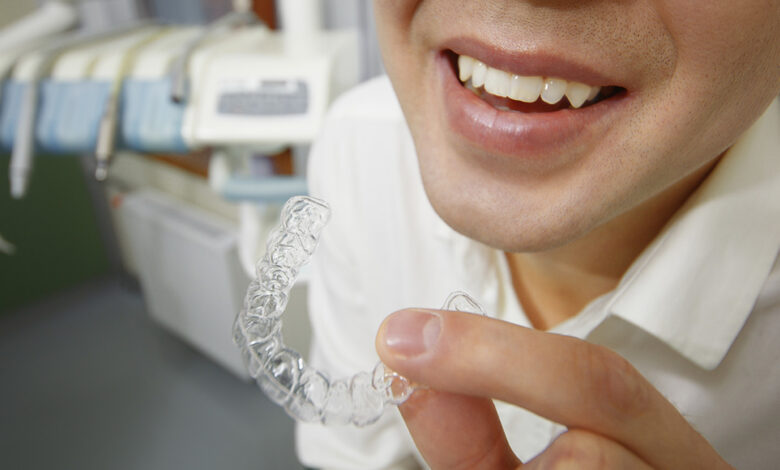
189, 271
242, 62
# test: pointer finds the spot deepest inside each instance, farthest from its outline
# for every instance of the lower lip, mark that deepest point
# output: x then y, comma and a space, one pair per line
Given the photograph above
552, 138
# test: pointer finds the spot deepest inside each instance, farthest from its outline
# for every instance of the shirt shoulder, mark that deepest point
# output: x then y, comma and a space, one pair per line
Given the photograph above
364, 163
364, 149
372, 100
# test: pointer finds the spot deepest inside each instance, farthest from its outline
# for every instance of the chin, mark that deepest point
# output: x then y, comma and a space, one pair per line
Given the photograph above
505, 221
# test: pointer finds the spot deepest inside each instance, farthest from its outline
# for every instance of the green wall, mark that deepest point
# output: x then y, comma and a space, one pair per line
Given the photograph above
54, 230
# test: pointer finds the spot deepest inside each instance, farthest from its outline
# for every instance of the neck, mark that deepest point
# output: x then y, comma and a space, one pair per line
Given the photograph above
557, 284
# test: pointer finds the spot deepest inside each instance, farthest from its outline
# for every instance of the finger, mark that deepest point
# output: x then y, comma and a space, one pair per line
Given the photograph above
564, 379
585, 450
457, 431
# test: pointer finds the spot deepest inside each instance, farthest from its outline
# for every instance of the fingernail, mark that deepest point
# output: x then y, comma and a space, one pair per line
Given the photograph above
410, 333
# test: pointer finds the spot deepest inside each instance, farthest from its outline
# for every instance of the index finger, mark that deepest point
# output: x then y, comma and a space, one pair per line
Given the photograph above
564, 379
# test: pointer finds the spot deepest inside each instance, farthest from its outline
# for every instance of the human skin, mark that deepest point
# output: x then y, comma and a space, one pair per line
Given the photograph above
696, 76
566, 193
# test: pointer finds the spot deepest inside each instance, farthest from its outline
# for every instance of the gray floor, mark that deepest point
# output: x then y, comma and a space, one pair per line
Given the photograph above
88, 381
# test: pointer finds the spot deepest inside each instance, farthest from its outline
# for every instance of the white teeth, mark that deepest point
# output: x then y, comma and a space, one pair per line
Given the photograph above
465, 67
526, 89
553, 90
594, 90
577, 93
498, 83
522, 88
478, 75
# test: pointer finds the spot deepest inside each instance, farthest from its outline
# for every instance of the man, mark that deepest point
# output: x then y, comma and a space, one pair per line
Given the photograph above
603, 174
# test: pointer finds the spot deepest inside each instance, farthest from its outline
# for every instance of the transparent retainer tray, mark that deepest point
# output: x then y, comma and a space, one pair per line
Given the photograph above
306, 393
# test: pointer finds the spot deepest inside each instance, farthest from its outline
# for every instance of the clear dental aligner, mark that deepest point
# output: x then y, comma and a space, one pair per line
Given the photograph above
306, 393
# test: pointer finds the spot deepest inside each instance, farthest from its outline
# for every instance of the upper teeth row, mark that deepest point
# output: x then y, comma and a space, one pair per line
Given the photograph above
522, 88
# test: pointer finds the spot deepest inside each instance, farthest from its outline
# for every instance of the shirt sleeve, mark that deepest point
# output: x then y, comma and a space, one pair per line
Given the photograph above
343, 323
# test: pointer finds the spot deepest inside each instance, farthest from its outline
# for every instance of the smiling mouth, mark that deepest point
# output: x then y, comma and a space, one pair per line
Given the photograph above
506, 91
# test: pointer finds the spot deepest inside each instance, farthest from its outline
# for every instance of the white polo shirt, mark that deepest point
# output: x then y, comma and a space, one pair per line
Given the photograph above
698, 313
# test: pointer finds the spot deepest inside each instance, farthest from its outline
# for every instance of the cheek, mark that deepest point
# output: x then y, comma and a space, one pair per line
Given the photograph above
401, 52
727, 54
393, 19
726, 73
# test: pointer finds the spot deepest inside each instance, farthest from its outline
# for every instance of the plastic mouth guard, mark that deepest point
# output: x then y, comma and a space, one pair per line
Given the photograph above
306, 393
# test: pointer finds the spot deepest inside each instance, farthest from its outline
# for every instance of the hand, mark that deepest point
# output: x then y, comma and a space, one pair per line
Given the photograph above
615, 417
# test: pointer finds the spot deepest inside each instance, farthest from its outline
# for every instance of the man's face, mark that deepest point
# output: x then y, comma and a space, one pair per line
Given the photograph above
680, 81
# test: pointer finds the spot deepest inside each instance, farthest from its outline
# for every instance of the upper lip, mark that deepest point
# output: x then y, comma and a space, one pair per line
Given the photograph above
533, 62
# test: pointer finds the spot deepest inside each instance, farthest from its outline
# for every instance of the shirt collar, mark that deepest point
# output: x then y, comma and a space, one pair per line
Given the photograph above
695, 285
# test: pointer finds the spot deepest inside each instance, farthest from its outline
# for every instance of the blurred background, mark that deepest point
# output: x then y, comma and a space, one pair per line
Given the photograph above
146, 147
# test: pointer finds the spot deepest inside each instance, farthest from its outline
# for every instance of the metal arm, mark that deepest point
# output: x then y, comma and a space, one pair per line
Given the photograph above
106, 139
